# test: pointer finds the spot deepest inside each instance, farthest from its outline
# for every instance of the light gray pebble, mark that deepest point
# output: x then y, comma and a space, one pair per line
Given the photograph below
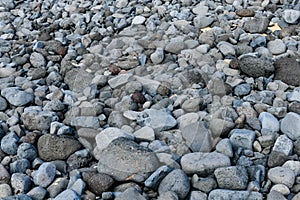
225, 147
242, 138
86, 122
138, 20
168, 196
37, 193
27, 151
291, 16
196, 195
144, 134
16, 96
283, 144
130, 193
226, 48
37, 60
3, 104
5, 190
78, 186
282, 175
242, 89
268, 122
21, 183
158, 56
19, 166
290, 125
44, 175
9, 143
67, 194
276, 46
57, 186
219, 194
204, 184
293, 165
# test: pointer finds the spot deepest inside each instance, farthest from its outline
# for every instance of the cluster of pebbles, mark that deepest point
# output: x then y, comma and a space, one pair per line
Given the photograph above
165, 100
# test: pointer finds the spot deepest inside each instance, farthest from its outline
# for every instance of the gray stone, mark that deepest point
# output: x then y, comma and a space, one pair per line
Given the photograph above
57, 186
144, 134
35, 119
19, 166
276, 46
67, 194
5, 190
234, 177
204, 184
242, 89
220, 194
44, 175
290, 125
220, 127
3, 104
196, 195
256, 25
203, 163
37, 60
176, 181
276, 158
4, 175
226, 48
87, 137
159, 120
259, 41
242, 138
123, 159
203, 21
37, 193
168, 196
282, 175
192, 105
283, 189
138, 20
130, 193
20, 183
268, 122
97, 182
26, 151
51, 147
225, 147
175, 47
9, 143
198, 137
16, 96
158, 56
292, 96
78, 79
86, 122
293, 165
78, 186
275, 195
254, 66
291, 16
154, 180
119, 80
283, 144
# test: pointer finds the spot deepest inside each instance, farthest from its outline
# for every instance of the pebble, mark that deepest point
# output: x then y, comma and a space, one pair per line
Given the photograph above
268, 122
242, 138
290, 125
26, 151
283, 189
3, 104
130, 193
37, 193
9, 143
282, 175
19, 166
284, 145
155, 178
224, 146
21, 183
158, 56
291, 16
176, 181
242, 89
68, 194
204, 184
238, 194
57, 186
37, 60
5, 190
293, 165
276, 46
44, 175
144, 134
16, 96
97, 182
138, 20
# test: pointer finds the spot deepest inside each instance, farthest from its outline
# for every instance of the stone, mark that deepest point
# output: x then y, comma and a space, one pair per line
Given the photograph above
283, 189
197, 195
256, 25
97, 182
51, 147
130, 193
37, 60
144, 134
78, 79
268, 122
242, 138
242, 89
255, 67
86, 122
67, 194
204, 184
282, 175
26, 151
283, 144
176, 181
138, 20
16, 96
20, 183
158, 56
175, 46
226, 48
245, 12
155, 178
19, 166
287, 69
234, 177
203, 163
158, 120
291, 16
168, 196
37, 193
77, 186
198, 137
9, 143
35, 119
119, 80
202, 21
290, 125
219, 194
57, 186
220, 127
3, 104
192, 105
293, 165
5, 190
275, 195
276, 46
4, 175
276, 158
124, 159
224, 146
44, 175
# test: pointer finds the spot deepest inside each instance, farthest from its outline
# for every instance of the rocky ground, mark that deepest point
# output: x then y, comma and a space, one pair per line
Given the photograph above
142, 99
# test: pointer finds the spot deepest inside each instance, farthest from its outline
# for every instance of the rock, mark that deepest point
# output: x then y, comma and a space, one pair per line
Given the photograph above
225, 147
68, 194
78, 79
130, 193
175, 46
20, 166
234, 177
293, 165
256, 25
5, 190
197, 195
168, 196
158, 56
204, 184
154, 180
87, 138
97, 182
35, 119
105, 137
144, 134
123, 159
16, 96
20, 183
44, 175
245, 12
275, 195
138, 20
242, 138
287, 69
4, 175
192, 105
242, 89
86, 122
202, 21
9, 143
268, 122
219, 194
220, 127
276, 46
119, 80
203, 163
283, 144
198, 137
57, 186
282, 175
226, 48
291, 16
176, 181
255, 67
26, 151
77, 186
157, 119
37, 60
3, 104
290, 125
276, 158
283, 189
51, 147
37, 193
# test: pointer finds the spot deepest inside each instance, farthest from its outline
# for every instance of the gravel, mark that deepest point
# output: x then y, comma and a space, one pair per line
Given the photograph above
149, 100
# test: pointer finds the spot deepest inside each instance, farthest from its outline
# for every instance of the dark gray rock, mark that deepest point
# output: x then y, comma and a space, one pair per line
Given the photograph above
124, 159
97, 182
176, 181
20, 166
242, 89
57, 186
130, 193
256, 25
4, 175
26, 151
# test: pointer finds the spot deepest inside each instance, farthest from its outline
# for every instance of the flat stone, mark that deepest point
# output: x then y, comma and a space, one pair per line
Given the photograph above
283, 189
220, 194
97, 182
268, 122
276, 46
242, 89
3, 104
37, 193
242, 138
192, 105
293, 165
78, 79
51, 147
175, 46
130, 193
155, 178
290, 125
203, 163
204, 184
68, 194
145, 134
158, 56
119, 80
234, 177
16, 96
44, 175
124, 159
287, 69
86, 122
57, 186
225, 147
245, 12
283, 144
256, 25
282, 175
176, 181
138, 20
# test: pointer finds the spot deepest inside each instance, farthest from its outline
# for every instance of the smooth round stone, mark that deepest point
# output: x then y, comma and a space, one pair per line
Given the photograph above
3, 104
291, 16
290, 125
21, 183
9, 143
283, 189
67, 194
242, 89
16, 96
268, 122
44, 175
26, 151
5, 190
276, 46
37, 193
158, 56
19, 166
37, 60
138, 20
282, 175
